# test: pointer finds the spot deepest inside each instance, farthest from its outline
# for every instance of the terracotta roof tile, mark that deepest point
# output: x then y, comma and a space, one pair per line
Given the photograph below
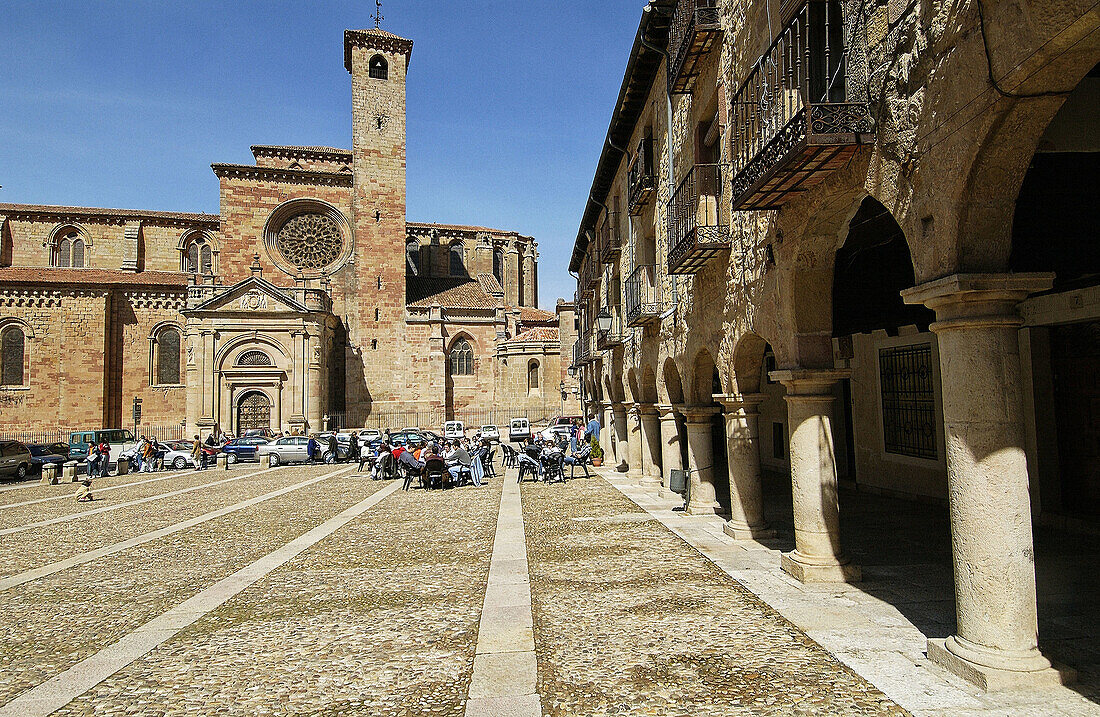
531, 315
449, 293
50, 209
266, 149
464, 228
114, 277
539, 334
490, 284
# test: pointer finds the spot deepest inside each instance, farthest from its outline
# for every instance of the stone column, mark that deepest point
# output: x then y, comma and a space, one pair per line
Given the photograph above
977, 329
622, 438
511, 274
529, 298
651, 444
634, 440
314, 407
817, 556
194, 383
743, 448
605, 434
702, 498
671, 459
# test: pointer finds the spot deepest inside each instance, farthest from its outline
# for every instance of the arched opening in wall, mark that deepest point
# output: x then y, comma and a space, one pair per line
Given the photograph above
13, 356
378, 68
533, 377
457, 259
253, 412
706, 383
674, 389
7, 244
460, 364
69, 249
197, 255
167, 357
498, 265
1054, 230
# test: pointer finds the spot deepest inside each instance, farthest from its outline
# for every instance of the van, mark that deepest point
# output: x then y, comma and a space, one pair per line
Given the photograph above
453, 430
120, 440
519, 429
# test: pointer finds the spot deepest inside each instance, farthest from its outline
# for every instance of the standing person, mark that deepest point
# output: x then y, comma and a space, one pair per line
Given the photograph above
593, 429
158, 455
93, 459
311, 448
198, 454
334, 447
138, 455
104, 459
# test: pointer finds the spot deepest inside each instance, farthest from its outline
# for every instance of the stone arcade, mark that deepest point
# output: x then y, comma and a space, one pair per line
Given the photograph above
855, 243
309, 297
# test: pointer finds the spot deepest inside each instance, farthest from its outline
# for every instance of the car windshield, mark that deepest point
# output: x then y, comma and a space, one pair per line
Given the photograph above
39, 450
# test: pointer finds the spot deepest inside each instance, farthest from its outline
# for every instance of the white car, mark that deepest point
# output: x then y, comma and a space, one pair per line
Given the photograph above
491, 433
556, 433
177, 457
454, 430
519, 429
370, 435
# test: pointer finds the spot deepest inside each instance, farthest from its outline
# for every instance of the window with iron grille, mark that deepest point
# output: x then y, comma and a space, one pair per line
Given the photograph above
168, 357
12, 347
908, 401
254, 358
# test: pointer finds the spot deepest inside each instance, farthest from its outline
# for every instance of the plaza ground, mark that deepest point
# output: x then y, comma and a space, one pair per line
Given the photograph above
314, 590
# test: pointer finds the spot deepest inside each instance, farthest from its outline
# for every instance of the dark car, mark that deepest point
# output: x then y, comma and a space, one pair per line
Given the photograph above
46, 453
408, 439
243, 449
15, 459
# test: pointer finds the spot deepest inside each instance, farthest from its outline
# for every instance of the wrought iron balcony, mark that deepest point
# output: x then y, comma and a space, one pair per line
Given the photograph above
792, 119
699, 223
643, 298
641, 178
591, 271
695, 31
609, 240
606, 340
583, 353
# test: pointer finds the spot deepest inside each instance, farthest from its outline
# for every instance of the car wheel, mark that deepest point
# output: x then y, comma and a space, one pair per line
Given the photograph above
328, 457
21, 471
274, 459
231, 458
179, 463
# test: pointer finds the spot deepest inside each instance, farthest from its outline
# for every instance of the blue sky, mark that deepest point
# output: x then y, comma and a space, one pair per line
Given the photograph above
126, 104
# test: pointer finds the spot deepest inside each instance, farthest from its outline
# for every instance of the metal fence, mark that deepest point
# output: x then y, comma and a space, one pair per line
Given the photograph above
433, 419
172, 432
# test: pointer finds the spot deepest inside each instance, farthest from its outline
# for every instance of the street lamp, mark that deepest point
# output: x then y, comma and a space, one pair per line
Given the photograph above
603, 321
561, 390
572, 371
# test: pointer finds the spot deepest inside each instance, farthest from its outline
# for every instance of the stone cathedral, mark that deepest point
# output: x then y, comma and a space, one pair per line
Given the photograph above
309, 302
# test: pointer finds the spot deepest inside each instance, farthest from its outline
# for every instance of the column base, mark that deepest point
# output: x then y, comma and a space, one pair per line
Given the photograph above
742, 531
817, 571
702, 509
1043, 673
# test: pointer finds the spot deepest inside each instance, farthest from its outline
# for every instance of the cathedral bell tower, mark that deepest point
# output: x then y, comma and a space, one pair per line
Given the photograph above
378, 62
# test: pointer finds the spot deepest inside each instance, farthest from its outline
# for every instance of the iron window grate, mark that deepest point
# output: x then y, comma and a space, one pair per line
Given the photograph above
908, 401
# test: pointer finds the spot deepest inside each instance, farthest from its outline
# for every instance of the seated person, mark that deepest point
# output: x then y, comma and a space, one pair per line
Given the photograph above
413, 467
460, 461
581, 457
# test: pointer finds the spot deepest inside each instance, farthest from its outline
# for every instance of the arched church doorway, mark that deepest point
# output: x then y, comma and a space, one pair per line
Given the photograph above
253, 412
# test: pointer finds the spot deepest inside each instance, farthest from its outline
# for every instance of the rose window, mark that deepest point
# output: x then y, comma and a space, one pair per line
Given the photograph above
310, 241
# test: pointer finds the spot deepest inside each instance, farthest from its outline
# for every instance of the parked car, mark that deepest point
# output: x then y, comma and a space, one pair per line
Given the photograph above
453, 430
519, 429
291, 449
43, 454
556, 432
258, 433
15, 459
370, 435
177, 455
408, 439
243, 449
120, 440
491, 433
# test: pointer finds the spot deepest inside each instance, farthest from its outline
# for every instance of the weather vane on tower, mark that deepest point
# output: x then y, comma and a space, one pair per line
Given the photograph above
378, 17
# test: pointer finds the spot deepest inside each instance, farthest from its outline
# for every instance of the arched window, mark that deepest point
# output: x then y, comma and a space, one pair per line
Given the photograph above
412, 256
498, 265
379, 68
12, 354
198, 255
68, 252
166, 350
462, 358
532, 376
458, 260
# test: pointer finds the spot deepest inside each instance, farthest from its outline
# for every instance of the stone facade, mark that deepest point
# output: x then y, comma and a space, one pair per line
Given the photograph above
824, 267
308, 302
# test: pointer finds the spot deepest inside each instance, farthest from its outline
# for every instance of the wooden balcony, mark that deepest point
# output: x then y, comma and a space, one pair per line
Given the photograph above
609, 240
699, 223
792, 123
583, 352
695, 31
641, 179
591, 272
643, 298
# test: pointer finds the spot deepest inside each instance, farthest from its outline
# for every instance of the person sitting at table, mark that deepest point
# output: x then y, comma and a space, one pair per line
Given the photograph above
413, 467
460, 461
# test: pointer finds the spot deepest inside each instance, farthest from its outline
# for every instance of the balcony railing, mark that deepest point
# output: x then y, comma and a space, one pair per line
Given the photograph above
591, 271
696, 30
699, 223
584, 353
641, 178
606, 340
643, 299
609, 239
792, 122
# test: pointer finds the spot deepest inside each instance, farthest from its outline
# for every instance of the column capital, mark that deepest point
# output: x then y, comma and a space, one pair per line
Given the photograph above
810, 381
744, 402
648, 409
977, 300
666, 411
700, 414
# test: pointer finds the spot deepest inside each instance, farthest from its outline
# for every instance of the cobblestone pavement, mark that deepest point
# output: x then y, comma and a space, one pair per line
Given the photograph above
629, 620
50, 624
32, 488
379, 619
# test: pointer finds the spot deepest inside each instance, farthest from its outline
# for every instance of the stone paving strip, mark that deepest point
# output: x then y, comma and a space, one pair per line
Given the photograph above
39, 547
60, 690
87, 557
68, 515
505, 669
380, 619
630, 620
49, 625
69, 489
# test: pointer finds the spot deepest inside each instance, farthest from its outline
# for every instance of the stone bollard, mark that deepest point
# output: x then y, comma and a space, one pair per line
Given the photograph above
68, 472
265, 461
49, 474
123, 466
222, 461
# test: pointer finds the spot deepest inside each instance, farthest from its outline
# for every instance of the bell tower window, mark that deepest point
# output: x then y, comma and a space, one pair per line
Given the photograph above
379, 68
